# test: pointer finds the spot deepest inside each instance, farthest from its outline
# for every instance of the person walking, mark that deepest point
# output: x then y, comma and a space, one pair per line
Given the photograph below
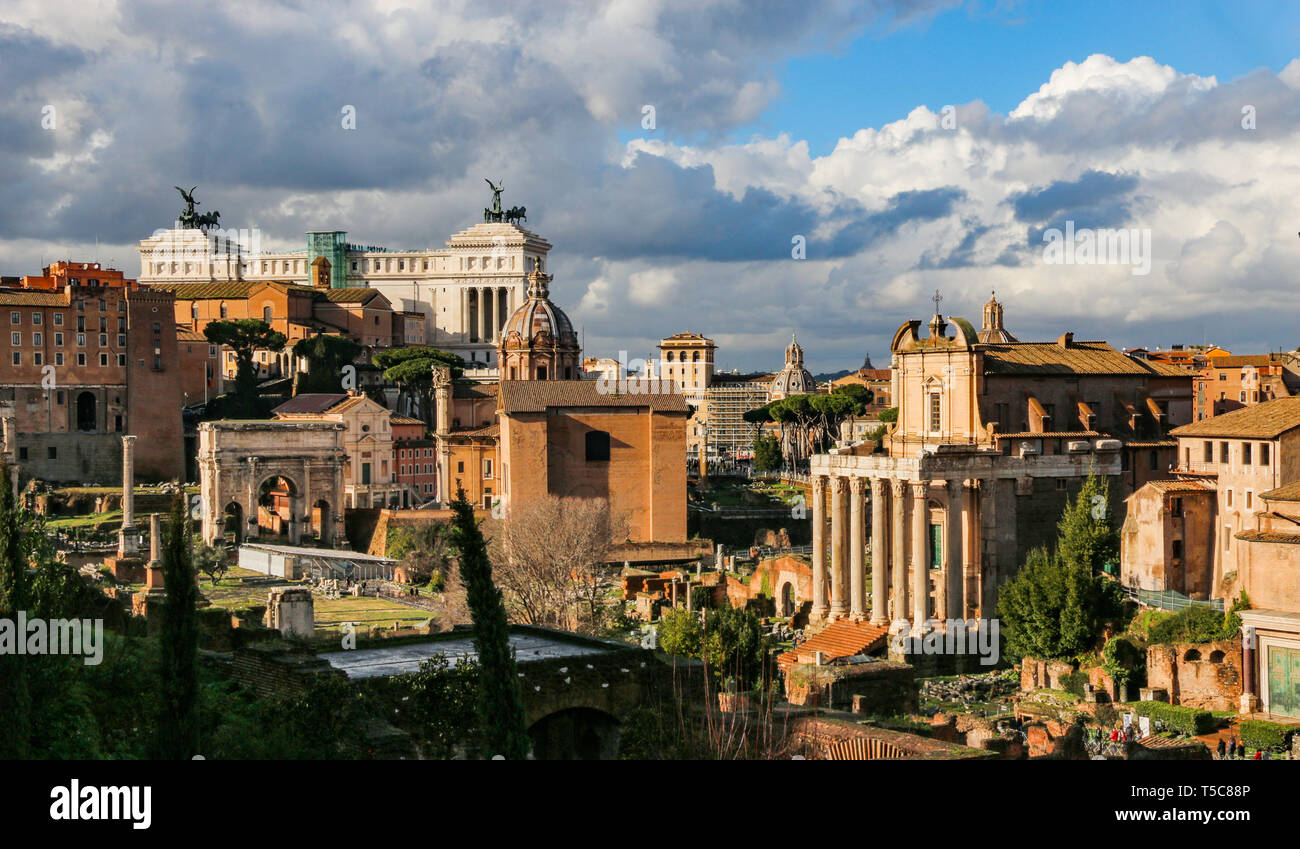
1222, 746
1232, 748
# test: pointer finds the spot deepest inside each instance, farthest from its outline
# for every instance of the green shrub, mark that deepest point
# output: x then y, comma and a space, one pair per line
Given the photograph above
1195, 624
1073, 682
1259, 734
1184, 720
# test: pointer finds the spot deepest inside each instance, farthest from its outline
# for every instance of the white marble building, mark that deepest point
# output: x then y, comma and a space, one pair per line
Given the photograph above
466, 290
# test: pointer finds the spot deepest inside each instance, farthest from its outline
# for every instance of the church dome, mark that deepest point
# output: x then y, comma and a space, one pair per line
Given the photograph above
794, 379
537, 341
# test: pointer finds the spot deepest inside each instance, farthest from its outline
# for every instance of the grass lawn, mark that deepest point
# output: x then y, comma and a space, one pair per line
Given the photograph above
362, 611
111, 519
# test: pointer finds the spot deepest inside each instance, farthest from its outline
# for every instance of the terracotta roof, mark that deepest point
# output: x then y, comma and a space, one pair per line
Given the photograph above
311, 403
184, 334
1289, 492
1269, 536
1244, 360
473, 390
11, 298
491, 430
404, 420
1055, 434
1078, 358
1262, 421
842, 638
1180, 486
536, 396
1159, 443
231, 289
356, 295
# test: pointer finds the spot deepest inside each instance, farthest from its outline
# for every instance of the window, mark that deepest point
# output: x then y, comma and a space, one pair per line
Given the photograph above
58, 358
1245, 453
103, 340
266, 313
38, 359
1176, 549
15, 339
1227, 537
460, 467
1263, 453
597, 446
1229, 498
935, 417
58, 319
38, 340
1209, 452
36, 319
224, 311
487, 469
81, 359
18, 358
1176, 507
15, 318
52, 453
1223, 452
103, 359
121, 360
1153, 462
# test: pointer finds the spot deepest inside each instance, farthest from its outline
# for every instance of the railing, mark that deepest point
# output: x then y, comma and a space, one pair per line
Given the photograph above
1170, 599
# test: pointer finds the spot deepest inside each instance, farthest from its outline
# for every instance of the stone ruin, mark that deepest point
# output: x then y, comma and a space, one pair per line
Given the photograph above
291, 611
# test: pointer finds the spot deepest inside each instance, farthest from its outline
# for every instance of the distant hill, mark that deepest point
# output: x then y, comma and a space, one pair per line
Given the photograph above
833, 375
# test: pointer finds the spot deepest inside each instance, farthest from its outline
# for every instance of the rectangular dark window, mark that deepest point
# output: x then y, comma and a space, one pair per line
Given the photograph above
1263, 453
1245, 453
1223, 452
1209, 452
597, 446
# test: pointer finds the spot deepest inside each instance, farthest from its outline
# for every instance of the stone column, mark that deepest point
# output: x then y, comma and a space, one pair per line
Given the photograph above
482, 315
985, 515
898, 539
128, 539
857, 567
251, 524
951, 596
970, 537
465, 326
128, 481
155, 541
819, 608
879, 552
920, 568
839, 490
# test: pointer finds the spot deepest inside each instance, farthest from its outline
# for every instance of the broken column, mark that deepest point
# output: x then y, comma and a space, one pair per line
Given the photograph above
9, 435
292, 612
128, 539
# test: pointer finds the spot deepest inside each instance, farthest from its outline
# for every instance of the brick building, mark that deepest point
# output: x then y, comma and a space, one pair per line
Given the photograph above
417, 461
1228, 383
91, 357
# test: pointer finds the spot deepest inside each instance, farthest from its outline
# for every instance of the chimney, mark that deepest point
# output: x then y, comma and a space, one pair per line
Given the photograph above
1066, 340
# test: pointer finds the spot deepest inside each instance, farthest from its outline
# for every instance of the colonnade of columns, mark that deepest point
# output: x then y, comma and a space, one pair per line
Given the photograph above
900, 548
484, 310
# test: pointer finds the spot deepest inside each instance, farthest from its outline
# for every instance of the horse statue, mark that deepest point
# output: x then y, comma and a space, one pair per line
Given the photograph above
516, 214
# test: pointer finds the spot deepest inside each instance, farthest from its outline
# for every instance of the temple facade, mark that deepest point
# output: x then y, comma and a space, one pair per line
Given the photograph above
992, 440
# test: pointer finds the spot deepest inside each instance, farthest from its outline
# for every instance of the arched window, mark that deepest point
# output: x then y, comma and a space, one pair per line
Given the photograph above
267, 313
87, 418
1216, 656
1192, 655
225, 313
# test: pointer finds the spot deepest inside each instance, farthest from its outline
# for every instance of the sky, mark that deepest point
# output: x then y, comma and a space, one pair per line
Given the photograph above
743, 170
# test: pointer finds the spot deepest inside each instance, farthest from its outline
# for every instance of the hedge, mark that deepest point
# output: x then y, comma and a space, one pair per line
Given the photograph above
1260, 734
1184, 720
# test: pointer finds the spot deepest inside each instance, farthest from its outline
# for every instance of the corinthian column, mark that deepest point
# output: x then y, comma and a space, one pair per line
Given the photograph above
857, 536
819, 608
898, 537
839, 490
879, 553
920, 568
951, 594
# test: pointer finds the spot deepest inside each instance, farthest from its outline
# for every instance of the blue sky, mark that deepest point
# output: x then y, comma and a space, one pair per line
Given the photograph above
1001, 54
690, 227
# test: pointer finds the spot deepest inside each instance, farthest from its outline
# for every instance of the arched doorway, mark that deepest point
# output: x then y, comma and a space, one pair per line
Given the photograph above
276, 498
322, 521
576, 734
787, 599
232, 522
87, 418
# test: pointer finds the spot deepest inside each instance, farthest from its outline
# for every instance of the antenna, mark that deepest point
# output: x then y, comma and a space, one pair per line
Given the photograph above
937, 298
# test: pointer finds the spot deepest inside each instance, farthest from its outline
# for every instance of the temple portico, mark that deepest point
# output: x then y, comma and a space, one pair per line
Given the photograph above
946, 526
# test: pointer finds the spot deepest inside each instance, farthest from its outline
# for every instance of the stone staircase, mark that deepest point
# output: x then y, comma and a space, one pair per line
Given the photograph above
842, 638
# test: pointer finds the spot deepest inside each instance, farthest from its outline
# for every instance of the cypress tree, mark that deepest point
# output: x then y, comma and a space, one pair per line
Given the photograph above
15, 693
178, 727
501, 712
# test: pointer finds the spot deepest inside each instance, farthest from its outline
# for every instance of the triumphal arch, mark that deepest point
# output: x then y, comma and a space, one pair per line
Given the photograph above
271, 480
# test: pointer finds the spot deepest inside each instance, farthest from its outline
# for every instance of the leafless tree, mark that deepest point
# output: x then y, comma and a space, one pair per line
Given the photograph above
549, 559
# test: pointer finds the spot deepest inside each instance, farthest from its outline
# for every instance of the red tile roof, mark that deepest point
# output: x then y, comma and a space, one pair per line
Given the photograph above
842, 638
